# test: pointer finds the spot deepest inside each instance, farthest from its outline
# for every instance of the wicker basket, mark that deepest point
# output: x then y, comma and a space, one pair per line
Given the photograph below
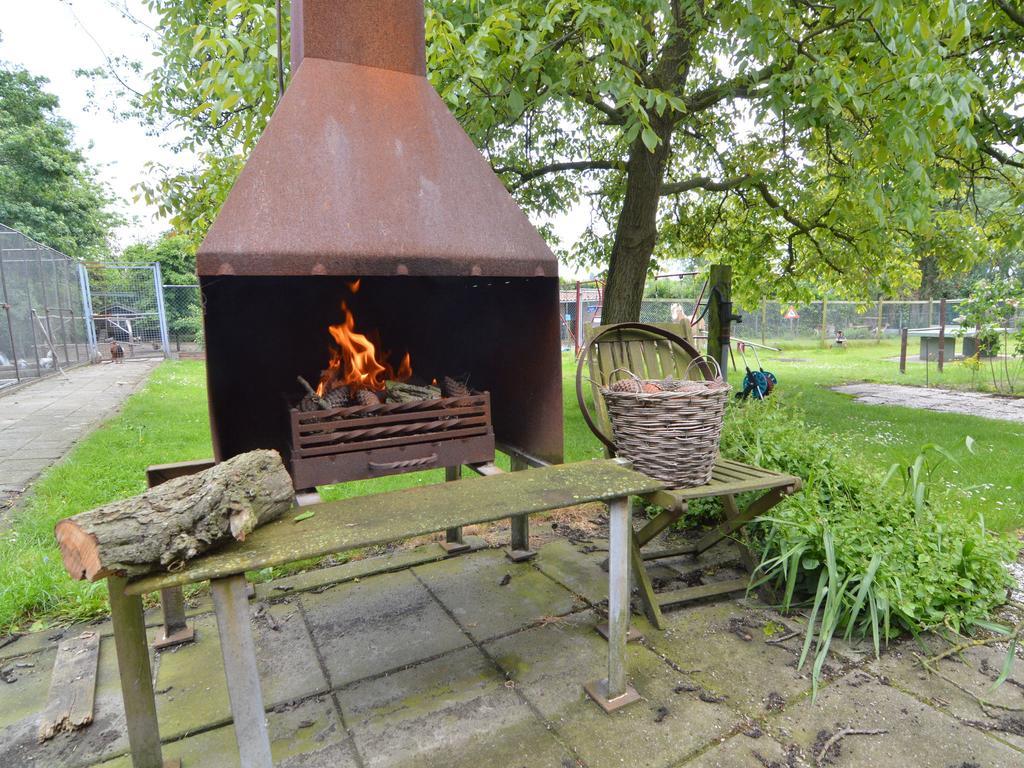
671, 435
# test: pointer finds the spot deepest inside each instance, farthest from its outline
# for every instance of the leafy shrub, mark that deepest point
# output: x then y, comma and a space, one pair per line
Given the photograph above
867, 557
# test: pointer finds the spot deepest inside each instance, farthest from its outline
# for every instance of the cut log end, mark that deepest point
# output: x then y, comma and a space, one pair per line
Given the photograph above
80, 551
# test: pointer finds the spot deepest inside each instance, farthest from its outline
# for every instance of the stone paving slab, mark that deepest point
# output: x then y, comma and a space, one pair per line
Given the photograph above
288, 665
751, 749
40, 423
982, 404
378, 625
550, 664
490, 596
309, 735
710, 643
974, 670
453, 711
917, 735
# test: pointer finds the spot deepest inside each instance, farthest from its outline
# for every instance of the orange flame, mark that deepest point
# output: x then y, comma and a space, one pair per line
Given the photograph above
354, 362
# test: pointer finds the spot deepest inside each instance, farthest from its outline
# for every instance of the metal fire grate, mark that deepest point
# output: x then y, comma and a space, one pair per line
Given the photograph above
362, 441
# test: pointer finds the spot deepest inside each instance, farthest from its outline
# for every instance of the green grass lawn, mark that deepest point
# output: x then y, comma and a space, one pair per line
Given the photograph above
167, 421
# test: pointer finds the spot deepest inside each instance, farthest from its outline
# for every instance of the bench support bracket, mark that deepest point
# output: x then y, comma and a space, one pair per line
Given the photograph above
519, 544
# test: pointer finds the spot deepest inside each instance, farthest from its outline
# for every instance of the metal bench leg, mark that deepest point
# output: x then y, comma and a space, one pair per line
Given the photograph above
136, 677
453, 542
614, 692
176, 628
239, 652
519, 545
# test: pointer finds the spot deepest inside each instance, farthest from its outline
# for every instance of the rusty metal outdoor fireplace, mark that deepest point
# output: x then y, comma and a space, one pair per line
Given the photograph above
365, 217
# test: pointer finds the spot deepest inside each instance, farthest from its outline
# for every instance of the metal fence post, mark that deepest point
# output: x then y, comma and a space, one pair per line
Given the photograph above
158, 285
90, 325
10, 323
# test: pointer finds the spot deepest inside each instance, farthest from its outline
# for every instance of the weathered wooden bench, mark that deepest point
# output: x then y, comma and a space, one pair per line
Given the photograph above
352, 524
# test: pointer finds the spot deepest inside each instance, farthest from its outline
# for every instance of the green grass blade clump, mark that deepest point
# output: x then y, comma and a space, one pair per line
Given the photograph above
866, 553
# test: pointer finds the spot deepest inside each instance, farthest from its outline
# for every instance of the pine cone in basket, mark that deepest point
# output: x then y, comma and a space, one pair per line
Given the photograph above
651, 387
453, 388
367, 397
626, 385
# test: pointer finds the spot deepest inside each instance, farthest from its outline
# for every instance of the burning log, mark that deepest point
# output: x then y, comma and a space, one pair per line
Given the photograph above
177, 520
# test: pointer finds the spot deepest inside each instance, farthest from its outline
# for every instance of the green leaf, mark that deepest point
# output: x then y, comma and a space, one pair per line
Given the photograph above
650, 138
303, 516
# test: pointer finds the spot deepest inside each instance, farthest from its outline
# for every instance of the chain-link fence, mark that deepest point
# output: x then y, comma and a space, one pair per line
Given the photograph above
184, 318
42, 315
127, 310
777, 321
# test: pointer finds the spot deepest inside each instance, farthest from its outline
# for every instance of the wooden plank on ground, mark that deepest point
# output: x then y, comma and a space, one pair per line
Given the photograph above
364, 521
72, 687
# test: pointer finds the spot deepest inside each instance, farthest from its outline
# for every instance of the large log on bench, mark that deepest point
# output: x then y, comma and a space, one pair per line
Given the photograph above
177, 520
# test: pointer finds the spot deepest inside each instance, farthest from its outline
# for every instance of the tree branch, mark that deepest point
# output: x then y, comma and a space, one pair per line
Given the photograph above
706, 183
528, 175
1015, 15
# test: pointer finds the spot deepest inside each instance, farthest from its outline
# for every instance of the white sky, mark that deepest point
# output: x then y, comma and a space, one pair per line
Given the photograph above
53, 38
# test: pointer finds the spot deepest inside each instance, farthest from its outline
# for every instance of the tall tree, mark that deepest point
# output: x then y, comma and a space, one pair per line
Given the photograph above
47, 190
809, 143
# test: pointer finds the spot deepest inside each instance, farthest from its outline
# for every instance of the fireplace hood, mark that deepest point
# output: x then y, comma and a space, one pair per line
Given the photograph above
362, 170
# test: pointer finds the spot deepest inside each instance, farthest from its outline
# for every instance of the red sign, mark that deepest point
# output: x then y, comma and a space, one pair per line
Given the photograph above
791, 313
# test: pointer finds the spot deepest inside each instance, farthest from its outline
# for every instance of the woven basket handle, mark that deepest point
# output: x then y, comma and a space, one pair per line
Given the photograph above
716, 368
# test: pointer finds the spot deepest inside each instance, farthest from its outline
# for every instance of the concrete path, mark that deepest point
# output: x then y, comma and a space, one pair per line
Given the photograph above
475, 661
943, 400
40, 422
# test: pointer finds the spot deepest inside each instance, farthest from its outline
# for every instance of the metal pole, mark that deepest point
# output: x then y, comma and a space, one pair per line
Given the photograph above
231, 604
579, 318
764, 319
136, 676
942, 333
158, 284
878, 326
90, 326
903, 350
824, 321
10, 325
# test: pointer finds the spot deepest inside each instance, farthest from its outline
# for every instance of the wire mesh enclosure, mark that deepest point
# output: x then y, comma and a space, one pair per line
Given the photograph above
42, 313
128, 309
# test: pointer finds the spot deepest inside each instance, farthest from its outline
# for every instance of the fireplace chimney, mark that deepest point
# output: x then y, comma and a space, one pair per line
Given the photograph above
387, 34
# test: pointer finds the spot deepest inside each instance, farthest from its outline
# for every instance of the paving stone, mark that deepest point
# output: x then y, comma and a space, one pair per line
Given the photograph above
705, 641
917, 735
550, 666
742, 751
448, 712
309, 735
357, 569
575, 569
975, 669
490, 596
44, 420
288, 665
104, 737
378, 625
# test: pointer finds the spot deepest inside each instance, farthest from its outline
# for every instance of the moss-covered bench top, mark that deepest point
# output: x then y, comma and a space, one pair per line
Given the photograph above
338, 526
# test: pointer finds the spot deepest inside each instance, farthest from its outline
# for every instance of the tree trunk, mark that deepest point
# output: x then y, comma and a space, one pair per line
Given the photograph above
636, 232
177, 520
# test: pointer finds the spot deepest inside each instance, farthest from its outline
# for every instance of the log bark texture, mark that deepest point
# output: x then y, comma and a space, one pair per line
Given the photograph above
177, 520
